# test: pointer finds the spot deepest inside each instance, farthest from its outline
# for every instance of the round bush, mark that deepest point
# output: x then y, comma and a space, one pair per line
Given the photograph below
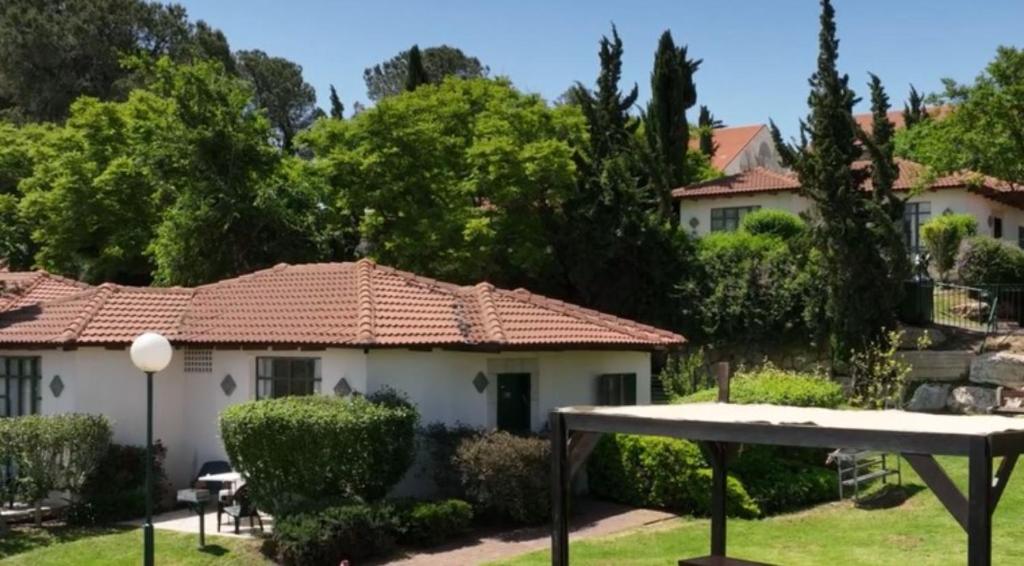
943, 236
506, 476
776, 387
298, 451
773, 222
986, 261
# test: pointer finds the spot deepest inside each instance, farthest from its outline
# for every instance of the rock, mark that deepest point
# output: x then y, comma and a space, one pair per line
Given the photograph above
931, 365
911, 337
971, 399
929, 397
971, 310
999, 368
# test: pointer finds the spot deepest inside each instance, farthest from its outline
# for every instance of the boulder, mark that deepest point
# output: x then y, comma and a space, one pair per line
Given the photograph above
999, 368
929, 397
911, 336
971, 399
971, 310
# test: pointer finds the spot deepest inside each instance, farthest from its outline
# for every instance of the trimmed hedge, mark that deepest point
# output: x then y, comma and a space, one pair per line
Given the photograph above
776, 387
359, 531
115, 490
667, 473
773, 222
506, 476
985, 261
302, 451
943, 236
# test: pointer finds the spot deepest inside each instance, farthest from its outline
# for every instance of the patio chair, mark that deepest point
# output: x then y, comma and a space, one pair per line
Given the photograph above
223, 499
243, 507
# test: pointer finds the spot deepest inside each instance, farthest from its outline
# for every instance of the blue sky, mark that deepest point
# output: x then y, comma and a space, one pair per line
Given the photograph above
757, 54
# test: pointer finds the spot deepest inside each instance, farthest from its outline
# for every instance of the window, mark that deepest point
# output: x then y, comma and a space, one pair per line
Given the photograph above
616, 389
914, 215
997, 227
19, 386
281, 377
728, 219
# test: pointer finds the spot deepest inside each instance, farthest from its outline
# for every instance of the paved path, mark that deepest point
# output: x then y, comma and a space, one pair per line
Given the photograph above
185, 521
594, 519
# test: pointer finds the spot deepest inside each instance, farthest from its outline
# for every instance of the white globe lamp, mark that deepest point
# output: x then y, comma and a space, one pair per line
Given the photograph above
151, 352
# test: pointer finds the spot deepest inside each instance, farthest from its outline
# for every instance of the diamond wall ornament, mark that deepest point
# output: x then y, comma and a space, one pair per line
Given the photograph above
227, 385
480, 382
56, 386
342, 388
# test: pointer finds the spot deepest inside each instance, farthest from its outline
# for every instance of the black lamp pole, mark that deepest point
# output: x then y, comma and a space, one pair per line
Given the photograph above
147, 528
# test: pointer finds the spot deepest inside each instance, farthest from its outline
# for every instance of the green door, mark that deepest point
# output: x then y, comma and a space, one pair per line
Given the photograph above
514, 402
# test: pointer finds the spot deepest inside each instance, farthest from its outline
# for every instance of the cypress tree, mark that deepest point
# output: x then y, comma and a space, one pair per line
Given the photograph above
914, 111
706, 124
337, 108
416, 74
857, 261
668, 133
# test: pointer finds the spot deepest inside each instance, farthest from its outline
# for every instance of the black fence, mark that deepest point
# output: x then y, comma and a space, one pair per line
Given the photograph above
988, 308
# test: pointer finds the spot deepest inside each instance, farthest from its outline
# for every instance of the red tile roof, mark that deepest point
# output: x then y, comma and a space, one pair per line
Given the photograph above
357, 304
23, 288
865, 119
761, 180
729, 143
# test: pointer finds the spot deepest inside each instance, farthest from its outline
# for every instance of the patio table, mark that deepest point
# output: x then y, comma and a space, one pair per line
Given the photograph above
719, 427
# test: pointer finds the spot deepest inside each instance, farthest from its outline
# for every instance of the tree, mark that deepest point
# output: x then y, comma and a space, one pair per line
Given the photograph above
706, 125
668, 134
914, 111
337, 108
52, 52
462, 181
279, 88
389, 78
415, 74
984, 131
858, 264
943, 235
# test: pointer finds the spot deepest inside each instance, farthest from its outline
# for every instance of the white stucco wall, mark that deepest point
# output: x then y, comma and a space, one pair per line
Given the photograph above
759, 152
187, 405
953, 200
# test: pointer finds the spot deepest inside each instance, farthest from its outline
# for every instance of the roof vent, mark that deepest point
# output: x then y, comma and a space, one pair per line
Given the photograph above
198, 361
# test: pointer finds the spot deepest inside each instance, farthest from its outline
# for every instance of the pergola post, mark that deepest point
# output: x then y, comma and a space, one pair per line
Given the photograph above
559, 490
716, 453
979, 504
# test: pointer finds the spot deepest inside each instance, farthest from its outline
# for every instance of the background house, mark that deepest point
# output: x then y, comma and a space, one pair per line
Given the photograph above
741, 148
720, 204
464, 354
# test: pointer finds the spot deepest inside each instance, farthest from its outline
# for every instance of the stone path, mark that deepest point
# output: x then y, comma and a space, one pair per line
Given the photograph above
594, 519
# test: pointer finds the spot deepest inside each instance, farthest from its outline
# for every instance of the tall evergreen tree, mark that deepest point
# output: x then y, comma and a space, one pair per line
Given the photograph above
337, 108
706, 125
612, 129
668, 134
914, 110
416, 74
857, 262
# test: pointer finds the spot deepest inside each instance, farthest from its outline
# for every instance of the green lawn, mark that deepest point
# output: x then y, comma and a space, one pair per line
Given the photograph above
96, 547
919, 532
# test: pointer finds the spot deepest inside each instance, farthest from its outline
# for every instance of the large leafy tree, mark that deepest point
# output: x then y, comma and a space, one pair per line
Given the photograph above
984, 132
278, 87
390, 77
53, 51
462, 180
857, 259
668, 133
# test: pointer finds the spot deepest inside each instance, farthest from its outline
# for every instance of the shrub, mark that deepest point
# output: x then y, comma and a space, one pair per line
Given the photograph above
986, 261
878, 375
441, 442
667, 473
329, 536
308, 450
115, 490
776, 387
429, 523
942, 236
54, 452
773, 222
685, 374
506, 476
783, 479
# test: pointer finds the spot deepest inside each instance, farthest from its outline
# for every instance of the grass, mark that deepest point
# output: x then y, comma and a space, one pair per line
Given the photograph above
918, 532
107, 546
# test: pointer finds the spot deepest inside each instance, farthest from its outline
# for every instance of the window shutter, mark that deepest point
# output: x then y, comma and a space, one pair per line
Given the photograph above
629, 389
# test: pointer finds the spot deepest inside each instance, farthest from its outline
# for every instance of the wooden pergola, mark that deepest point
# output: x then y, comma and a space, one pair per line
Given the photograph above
718, 428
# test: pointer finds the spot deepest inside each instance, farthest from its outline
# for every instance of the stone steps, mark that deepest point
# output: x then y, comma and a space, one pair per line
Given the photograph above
941, 366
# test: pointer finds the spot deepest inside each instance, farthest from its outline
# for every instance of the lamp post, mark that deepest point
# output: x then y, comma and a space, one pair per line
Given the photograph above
150, 352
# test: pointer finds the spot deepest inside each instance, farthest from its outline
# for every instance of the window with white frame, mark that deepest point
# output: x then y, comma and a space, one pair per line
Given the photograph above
728, 219
281, 377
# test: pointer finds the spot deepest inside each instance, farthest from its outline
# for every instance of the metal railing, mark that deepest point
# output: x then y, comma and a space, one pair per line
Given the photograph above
970, 308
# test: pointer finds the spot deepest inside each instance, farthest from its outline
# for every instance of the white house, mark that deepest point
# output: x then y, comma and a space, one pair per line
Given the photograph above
720, 204
741, 148
476, 355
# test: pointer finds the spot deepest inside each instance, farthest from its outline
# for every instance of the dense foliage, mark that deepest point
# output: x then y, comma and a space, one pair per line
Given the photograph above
983, 260
943, 235
774, 386
506, 476
392, 76
429, 523
301, 450
115, 490
772, 222
685, 373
